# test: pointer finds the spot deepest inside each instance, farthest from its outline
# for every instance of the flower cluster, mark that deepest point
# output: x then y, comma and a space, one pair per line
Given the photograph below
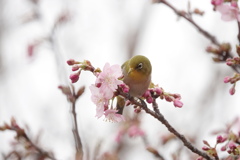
156, 91
230, 141
233, 61
79, 66
103, 91
228, 11
233, 80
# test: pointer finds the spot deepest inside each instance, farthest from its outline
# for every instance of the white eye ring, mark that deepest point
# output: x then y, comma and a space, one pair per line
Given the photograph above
140, 66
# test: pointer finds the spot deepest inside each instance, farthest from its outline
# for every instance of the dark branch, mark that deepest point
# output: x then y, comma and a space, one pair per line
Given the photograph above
156, 114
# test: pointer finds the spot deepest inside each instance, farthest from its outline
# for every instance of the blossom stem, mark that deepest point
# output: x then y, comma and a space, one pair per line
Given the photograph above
156, 114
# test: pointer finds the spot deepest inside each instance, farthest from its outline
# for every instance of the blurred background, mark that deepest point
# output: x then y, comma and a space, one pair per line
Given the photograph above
37, 37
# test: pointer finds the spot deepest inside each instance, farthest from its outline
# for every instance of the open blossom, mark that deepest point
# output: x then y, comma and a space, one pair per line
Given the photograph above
99, 99
108, 79
112, 115
228, 12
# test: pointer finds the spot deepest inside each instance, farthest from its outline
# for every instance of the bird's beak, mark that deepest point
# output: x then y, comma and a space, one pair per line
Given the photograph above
130, 70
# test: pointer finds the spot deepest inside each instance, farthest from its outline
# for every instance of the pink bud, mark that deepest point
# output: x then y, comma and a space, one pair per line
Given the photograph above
147, 94
74, 77
30, 50
124, 87
149, 99
199, 158
232, 90
126, 90
168, 98
216, 2
98, 85
177, 103
226, 79
205, 148
75, 68
177, 96
221, 139
223, 148
71, 62
158, 91
232, 146
229, 63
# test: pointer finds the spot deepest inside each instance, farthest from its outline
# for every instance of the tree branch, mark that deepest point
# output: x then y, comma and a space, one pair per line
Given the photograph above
206, 34
156, 114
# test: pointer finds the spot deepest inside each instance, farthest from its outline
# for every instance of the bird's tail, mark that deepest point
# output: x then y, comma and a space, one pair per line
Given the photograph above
120, 104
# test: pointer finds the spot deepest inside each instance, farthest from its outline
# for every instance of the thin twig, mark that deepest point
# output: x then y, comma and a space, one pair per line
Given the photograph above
202, 31
78, 143
161, 118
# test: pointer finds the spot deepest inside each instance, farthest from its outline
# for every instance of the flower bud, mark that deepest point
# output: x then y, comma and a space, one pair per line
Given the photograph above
158, 91
177, 103
149, 99
71, 62
205, 148
221, 139
75, 68
74, 77
232, 90
226, 79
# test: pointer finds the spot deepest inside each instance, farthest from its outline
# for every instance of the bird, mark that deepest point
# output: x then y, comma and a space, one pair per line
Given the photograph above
137, 75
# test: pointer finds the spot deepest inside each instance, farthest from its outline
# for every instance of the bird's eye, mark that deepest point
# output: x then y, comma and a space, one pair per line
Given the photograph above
140, 66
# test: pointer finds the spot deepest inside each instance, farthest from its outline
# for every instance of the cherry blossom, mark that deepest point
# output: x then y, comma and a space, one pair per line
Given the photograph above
109, 79
99, 99
228, 12
112, 115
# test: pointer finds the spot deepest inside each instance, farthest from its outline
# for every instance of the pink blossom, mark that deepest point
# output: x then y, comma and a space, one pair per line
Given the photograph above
112, 115
177, 103
99, 99
109, 79
228, 12
134, 131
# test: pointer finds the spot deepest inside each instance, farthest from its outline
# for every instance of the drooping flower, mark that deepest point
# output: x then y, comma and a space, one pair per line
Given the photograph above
228, 12
109, 79
112, 115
